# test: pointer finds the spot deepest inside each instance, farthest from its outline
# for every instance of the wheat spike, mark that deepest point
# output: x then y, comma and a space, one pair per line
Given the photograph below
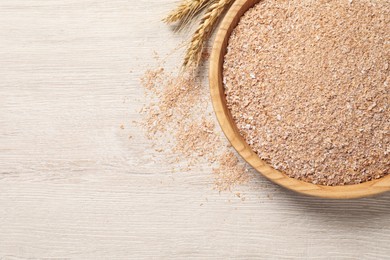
206, 26
186, 10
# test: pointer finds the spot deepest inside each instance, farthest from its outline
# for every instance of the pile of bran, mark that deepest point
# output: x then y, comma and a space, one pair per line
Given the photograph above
307, 83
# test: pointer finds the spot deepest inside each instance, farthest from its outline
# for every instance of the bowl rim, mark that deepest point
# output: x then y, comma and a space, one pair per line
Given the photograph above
230, 129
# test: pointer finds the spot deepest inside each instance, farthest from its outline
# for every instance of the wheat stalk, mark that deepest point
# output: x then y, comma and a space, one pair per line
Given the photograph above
186, 10
205, 28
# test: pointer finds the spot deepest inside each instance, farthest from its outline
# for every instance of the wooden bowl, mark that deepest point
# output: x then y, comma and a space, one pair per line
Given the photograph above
230, 129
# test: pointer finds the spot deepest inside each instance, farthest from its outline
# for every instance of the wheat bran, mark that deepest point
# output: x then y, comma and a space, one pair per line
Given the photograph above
230, 172
307, 83
176, 120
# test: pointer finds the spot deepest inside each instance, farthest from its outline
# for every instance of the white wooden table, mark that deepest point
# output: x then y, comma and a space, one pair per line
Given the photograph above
73, 186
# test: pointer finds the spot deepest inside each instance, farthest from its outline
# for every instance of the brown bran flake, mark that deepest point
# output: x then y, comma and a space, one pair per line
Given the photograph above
307, 83
197, 138
230, 172
176, 121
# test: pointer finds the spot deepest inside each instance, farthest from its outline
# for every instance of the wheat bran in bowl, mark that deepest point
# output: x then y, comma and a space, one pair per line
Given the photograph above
307, 84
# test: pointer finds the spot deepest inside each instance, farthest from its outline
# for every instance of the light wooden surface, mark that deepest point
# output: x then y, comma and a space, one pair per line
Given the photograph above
233, 134
73, 186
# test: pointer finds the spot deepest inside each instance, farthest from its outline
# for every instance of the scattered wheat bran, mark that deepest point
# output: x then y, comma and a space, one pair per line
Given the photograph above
197, 138
230, 172
307, 83
172, 99
177, 122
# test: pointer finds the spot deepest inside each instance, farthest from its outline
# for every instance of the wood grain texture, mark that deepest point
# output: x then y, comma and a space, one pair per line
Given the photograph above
233, 134
74, 186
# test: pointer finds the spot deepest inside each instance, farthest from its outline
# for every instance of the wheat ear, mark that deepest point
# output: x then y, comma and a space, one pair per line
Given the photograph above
186, 10
205, 28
